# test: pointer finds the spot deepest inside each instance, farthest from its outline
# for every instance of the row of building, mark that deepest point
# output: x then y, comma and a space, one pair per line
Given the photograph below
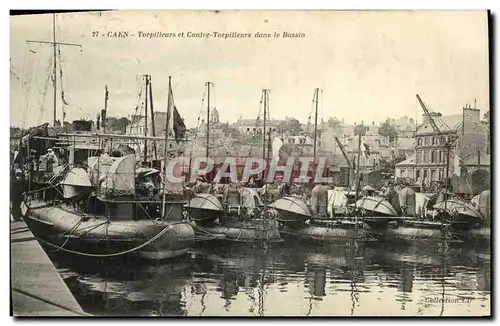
417, 150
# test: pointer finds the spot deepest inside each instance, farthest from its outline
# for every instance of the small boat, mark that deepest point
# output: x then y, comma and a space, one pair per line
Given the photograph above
459, 209
376, 206
113, 220
412, 230
204, 208
291, 209
60, 228
239, 216
331, 231
298, 221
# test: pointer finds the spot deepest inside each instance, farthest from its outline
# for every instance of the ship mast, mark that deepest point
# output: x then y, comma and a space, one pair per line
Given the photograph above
208, 118
146, 120
165, 147
104, 114
264, 125
54, 72
316, 92
55, 66
266, 98
152, 114
360, 130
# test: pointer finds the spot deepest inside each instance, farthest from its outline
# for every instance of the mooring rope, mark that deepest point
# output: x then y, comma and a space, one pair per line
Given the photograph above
162, 232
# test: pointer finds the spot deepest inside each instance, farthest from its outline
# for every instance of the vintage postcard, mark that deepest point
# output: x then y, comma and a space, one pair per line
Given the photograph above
250, 163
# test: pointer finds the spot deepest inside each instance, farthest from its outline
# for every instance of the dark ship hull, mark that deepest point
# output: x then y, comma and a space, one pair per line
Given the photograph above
62, 229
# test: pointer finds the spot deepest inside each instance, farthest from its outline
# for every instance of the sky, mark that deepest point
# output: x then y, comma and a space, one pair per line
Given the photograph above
369, 64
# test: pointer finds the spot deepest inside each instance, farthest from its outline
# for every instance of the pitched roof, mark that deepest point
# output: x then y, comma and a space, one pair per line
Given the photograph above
408, 161
444, 123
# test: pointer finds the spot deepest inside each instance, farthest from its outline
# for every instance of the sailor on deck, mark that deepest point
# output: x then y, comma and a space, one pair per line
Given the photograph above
52, 161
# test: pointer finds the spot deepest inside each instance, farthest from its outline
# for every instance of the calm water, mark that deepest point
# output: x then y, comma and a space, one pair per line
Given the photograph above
289, 281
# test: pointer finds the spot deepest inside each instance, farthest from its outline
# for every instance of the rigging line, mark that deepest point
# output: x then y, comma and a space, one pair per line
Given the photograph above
193, 143
28, 91
322, 110
200, 112
23, 83
12, 72
64, 103
311, 113
309, 121
134, 117
257, 122
46, 88
214, 92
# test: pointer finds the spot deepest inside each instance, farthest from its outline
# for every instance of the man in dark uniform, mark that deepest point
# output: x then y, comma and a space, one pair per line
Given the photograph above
16, 192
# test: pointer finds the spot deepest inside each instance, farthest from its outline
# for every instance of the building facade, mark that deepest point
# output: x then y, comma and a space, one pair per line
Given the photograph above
256, 127
433, 162
138, 128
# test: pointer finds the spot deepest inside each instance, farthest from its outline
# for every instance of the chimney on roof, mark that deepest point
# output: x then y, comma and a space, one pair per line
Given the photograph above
470, 118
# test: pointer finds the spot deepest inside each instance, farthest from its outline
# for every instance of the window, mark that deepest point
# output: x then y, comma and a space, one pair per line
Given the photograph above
434, 141
433, 175
425, 174
419, 141
248, 129
441, 174
417, 174
403, 173
419, 156
426, 141
433, 157
426, 156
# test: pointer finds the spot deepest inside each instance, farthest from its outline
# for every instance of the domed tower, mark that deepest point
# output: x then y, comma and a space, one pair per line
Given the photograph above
214, 116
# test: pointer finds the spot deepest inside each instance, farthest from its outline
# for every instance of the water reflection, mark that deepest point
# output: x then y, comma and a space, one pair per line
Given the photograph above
291, 281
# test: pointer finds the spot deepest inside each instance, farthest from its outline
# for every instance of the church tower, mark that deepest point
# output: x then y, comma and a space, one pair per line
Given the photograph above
214, 116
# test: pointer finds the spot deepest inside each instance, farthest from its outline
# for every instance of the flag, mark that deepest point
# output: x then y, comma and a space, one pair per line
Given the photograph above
365, 150
176, 126
179, 126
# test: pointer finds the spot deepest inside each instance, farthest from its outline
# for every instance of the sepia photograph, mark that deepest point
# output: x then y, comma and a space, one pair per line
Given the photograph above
232, 163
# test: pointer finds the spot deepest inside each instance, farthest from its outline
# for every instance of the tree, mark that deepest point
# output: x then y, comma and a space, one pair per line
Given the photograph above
360, 130
290, 125
334, 123
117, 124
230, 130
386, 129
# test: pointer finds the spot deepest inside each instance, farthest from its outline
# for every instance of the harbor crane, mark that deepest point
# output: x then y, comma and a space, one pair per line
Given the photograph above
448, 144
344, 153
